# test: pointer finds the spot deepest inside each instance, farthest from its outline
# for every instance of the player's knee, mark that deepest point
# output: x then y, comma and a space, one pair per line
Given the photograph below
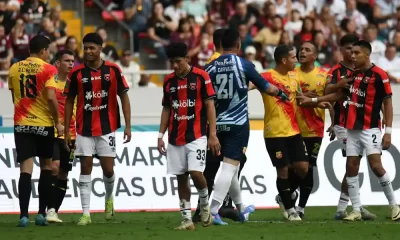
62, 175
282, 172
55, 166
378, 169
301, 169
45, 164
26, 166
86, 165
352, 167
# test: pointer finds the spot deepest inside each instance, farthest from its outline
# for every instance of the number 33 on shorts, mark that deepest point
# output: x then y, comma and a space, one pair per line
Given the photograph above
201, 154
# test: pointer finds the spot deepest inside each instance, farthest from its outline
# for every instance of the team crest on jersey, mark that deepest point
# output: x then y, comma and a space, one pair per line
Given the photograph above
107, 77
278, 155
192, 86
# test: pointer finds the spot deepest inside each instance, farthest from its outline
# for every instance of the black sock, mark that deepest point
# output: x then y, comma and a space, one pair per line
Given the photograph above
44, 189
24, 191
306, 187
59, 191
294, 180
283, 186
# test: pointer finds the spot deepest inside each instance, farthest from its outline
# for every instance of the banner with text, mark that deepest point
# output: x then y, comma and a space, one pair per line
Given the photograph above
142, 183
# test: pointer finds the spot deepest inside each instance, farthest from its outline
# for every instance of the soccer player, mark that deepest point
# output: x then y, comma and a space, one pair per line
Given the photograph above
335, 76
96, 84
188, 103
217, 37
62, 159
230, 75
370, 87
32, 86
281, 131
311, 121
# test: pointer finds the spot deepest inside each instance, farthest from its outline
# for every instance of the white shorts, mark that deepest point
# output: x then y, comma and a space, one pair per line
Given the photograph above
369, 140
189, 157
341, 133
102, 146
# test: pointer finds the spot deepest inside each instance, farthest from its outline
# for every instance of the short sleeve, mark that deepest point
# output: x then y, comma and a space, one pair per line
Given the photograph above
207, 89
333, 76
166, 102
51, 77
10, 78
122, 86
384, 85
71, 86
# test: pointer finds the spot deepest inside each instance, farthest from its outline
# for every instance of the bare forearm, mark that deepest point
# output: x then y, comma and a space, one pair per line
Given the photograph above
331, 88
164, 119
211, 117
126, 108
388, 111
332, 116
53, 106
333, 97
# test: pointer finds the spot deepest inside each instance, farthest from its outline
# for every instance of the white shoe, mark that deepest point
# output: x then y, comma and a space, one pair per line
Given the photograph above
186, 225
353, 216
281, 206
294, 217
205, 215
52, 216
395, 212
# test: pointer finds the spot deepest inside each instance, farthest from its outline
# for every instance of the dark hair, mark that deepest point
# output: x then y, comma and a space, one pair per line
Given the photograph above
38, 43
93, 38
175, 50
363, 44
391, 45
281, 52
230, 38
217, 37
348, 39
313, 44
63, 52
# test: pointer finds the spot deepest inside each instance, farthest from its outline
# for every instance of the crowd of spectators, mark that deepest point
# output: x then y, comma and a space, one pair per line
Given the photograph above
264, 24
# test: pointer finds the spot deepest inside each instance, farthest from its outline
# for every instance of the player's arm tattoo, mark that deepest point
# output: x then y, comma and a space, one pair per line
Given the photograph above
165, 113
388, 111
211, 116
53, 104
126, 107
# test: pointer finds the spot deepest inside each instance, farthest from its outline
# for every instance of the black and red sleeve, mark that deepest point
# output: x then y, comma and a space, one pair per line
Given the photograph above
122, 85
383, 84
71, 86
207, 89
166, 99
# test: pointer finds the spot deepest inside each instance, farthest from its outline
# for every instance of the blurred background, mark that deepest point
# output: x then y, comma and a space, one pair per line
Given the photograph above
135, 33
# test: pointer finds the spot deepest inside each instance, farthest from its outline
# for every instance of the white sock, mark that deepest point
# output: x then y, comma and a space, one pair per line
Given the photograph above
222, 185
235, 192
386, 185
290, 211
294, 195
354, 192
85, 190
343, 202
203, 196
109, 186
186, 210
299, 209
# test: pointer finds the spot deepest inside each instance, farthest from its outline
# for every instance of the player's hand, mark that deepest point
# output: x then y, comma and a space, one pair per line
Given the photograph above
345, 82
311, 94
60, 129
302, 100
386, 141
324, 105
161, 147
213, 145
283, 96
127, 135
331, 132
67, 142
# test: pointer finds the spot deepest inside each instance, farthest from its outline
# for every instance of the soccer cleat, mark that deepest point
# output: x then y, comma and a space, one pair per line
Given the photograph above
294, 217
109, 209
353, 216
41, 220
395, 212
205, 215
217, 220
84, 220
229, 212
186, 224
23, 222
340, 215
52, 216
366, 215
244, 216
281, 206
301, 214
196, 217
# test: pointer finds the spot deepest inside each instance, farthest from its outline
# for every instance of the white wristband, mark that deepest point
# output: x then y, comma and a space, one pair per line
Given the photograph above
314, 100
160, 135
388, 130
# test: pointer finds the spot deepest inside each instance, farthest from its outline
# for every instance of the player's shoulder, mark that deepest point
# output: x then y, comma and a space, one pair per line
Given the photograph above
335, 68
321, 72
77, 68
379, 71
49, 68
268, 74
169, 77
111, 64
200, 72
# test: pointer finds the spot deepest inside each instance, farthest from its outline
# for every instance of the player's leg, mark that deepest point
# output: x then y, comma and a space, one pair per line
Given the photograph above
279, 156
177, 164
105, 148
196, 158
25, 147
354, 149
313, 145
371, 139
85, 149
52, 216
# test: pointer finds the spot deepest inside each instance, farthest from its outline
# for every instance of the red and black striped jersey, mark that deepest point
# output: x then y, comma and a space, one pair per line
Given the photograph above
185, 97
335, 74
366, 96
97, 111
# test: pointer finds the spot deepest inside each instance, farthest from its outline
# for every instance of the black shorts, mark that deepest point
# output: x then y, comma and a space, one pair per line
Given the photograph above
31, 141
234, 140
313, 144
65, 157
286, 150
